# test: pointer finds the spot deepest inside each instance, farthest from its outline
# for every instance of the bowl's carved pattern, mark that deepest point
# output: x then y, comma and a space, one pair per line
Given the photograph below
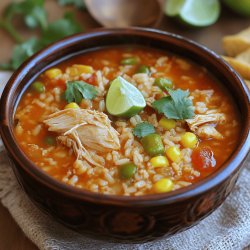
131, 224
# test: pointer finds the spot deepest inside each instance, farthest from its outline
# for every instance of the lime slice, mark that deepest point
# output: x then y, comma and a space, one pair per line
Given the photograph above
124, 99
194, 13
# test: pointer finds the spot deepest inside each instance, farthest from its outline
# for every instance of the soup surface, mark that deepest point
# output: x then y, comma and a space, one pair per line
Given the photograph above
162, 124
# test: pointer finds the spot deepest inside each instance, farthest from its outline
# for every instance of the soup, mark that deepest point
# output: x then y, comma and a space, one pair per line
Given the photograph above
127, 121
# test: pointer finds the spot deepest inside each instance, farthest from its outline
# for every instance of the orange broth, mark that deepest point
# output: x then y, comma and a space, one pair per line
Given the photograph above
190, 77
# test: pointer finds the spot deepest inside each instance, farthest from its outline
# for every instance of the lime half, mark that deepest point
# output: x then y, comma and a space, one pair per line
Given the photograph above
124, 99
196, 13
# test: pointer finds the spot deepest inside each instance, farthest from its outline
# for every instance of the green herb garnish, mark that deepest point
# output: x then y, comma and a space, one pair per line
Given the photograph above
32, 11
143, 129
34, 16
21, 52
65, 26
175, 106
78, 3
78, 90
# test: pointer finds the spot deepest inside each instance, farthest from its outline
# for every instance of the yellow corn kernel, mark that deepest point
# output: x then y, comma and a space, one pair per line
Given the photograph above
53, 73
167, 123
173, 153
72, 105
189, 140
163, 185
159, 161
78, 69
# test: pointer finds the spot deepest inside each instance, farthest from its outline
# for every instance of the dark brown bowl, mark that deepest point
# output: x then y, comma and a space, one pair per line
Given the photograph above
131, 219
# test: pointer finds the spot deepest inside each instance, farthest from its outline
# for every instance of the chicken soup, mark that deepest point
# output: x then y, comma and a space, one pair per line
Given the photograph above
127, 121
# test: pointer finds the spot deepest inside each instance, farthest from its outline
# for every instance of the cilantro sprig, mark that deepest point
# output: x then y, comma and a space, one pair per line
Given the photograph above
35, 16
78, 90
32, 11
60, 28
21, 52
177, 105
143, 129
78, 3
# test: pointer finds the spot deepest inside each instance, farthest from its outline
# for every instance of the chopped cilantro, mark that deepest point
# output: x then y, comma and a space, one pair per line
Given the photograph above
175, 106
78, 90
143, 129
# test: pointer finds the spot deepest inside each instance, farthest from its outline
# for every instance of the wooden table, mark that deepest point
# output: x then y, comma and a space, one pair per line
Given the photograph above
11, 236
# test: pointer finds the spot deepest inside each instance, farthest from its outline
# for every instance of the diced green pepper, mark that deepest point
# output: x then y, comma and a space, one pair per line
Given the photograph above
130, 61
152, 144
163, 83
127, 171
38, 87
143, 69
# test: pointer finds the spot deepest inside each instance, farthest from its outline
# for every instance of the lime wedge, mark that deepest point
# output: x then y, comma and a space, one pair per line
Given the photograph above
173, 8
194, 13
124, 99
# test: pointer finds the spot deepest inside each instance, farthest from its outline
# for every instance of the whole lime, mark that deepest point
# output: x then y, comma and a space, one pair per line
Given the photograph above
241, 7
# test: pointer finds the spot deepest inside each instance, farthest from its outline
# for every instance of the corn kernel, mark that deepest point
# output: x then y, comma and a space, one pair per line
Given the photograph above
173, 153
163, 185
78, 69
72, 105
167, 123
159, 161
189, 140
53, 73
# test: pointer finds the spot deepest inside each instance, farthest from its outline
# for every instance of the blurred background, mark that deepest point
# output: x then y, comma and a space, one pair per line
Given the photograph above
203, 21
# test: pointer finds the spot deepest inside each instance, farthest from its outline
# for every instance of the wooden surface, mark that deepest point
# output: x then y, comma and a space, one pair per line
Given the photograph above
11, 236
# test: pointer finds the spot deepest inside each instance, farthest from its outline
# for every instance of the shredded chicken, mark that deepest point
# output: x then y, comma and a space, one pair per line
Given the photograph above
80, 150
84, 130
208, 131
204, 125
199, 120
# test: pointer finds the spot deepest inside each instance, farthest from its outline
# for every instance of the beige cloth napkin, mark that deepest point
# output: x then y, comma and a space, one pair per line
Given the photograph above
228, 228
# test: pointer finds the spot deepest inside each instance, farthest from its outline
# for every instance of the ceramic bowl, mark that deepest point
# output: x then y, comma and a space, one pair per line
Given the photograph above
120, 218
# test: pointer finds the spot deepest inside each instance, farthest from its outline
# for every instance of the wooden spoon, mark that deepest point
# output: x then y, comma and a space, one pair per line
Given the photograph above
125, 13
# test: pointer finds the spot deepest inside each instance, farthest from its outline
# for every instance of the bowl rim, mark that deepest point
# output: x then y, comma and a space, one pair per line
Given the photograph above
232, 164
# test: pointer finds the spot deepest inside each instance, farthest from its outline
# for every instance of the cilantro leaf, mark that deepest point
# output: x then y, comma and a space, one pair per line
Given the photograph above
143, 129
78, 90
32, 11
175, 106
34, 15
55, 31
63, 27
37, 17
21, 52
78, 3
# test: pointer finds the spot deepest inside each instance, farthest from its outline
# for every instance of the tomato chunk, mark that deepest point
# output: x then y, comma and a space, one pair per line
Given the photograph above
203, 159
92, 80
